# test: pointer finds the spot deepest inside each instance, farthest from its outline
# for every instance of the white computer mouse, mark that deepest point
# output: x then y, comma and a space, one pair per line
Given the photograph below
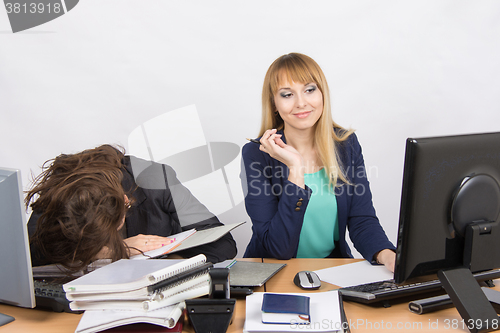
307, 280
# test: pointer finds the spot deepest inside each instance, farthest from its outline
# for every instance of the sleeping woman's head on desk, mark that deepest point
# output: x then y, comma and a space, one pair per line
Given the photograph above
85, 208
305, 176
82, 207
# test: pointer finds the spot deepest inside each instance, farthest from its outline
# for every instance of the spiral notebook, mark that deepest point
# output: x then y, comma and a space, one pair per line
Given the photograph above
190, 289
126, 275
145, 293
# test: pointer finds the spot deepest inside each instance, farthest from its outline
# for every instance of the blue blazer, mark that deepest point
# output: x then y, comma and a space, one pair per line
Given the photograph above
276, 206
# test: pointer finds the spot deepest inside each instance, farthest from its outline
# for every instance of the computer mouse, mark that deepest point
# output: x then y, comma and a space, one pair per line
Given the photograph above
307, 280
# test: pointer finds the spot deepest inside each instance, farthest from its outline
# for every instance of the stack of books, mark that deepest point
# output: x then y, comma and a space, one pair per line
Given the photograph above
141, 289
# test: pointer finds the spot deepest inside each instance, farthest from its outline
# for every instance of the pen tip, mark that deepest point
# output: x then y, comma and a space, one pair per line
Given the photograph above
253, 140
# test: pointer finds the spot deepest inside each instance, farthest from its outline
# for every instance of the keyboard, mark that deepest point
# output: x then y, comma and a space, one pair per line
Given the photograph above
383, 291
51, 296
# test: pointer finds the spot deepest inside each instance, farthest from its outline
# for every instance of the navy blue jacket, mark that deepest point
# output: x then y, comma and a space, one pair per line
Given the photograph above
276, 206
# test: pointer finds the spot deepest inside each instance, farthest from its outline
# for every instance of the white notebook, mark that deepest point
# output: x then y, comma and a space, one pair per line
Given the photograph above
126, 275
192, 289
97, 321
188, 239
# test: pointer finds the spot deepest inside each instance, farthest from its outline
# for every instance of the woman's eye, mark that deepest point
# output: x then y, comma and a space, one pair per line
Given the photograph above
311, 89
285, 95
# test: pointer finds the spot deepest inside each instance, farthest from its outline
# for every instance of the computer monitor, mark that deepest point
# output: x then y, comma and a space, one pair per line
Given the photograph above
450, 208
16, 276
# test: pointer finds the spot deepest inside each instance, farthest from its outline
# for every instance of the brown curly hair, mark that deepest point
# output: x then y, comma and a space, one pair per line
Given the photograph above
82, 205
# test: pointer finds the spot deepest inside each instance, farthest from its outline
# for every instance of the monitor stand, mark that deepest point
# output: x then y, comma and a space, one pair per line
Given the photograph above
481, 239
477, 313
5, 319
474, 215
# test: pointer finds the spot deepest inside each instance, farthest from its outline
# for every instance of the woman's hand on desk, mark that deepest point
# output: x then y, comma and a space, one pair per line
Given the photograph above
146, 243
387, 258
140, 242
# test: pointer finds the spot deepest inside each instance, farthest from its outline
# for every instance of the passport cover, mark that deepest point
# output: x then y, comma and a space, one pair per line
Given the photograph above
285, 309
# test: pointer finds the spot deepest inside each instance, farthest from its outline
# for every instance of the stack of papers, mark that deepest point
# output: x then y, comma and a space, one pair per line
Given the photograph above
354, 274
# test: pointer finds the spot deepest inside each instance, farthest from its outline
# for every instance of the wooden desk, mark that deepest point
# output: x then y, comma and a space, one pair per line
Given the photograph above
43, 321
370, 318
362, 318
283, 281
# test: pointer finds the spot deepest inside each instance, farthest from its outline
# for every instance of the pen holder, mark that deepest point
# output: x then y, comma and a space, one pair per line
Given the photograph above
215, 313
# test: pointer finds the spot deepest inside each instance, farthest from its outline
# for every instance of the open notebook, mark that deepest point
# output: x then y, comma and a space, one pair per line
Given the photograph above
188, 239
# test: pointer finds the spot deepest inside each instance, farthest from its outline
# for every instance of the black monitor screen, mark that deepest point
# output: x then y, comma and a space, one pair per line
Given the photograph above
436, 169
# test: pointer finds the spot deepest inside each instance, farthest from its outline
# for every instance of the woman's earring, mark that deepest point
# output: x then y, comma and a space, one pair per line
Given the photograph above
275, 112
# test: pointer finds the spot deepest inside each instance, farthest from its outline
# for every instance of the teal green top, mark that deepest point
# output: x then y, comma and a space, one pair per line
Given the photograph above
320, 229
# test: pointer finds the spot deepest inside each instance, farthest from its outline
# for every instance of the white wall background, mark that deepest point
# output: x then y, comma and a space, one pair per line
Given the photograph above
396, 69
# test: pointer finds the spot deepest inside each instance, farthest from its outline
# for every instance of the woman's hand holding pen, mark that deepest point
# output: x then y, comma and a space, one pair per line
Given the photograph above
272, 144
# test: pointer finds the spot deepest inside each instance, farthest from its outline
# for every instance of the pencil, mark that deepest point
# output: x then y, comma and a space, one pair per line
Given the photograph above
254, 141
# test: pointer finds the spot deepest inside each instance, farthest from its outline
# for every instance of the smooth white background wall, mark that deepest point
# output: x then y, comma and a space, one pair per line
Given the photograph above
396, 69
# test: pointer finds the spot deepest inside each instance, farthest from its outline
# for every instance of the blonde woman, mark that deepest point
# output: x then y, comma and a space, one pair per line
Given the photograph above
305, 175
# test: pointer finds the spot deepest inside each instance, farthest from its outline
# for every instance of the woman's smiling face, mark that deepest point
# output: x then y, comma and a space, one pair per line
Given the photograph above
300, 105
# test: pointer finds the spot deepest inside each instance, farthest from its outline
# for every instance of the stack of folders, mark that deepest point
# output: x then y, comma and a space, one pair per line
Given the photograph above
140, 285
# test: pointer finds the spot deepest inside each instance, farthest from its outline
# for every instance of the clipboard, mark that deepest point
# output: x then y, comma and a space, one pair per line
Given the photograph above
251, 274
343, 317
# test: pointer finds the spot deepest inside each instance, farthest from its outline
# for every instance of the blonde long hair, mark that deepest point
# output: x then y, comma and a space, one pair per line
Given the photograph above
296, 67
